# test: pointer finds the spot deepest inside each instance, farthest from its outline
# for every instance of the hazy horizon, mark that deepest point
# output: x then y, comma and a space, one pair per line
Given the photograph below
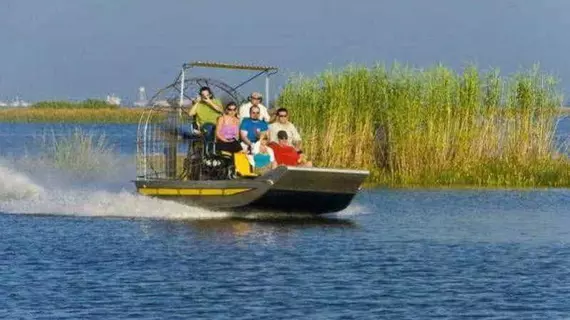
66, 49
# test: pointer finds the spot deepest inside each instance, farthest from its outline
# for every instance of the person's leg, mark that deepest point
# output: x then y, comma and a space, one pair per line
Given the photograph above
208, 129
235, 146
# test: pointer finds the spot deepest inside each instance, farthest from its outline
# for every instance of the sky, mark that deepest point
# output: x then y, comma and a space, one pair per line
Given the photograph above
79, 49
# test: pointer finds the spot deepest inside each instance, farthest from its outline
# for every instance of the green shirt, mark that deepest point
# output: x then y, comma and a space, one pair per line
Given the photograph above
206, 114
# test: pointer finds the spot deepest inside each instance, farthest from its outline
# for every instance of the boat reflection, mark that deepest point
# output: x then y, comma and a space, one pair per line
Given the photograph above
254, 227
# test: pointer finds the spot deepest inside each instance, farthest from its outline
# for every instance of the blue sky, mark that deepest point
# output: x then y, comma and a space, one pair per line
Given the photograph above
77, 49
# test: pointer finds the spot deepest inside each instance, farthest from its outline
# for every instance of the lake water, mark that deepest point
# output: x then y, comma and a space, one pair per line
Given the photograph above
86, 247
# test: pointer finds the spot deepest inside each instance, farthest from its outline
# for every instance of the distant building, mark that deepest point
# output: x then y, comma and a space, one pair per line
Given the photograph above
162, 103
113, 100
16, 103
143, 100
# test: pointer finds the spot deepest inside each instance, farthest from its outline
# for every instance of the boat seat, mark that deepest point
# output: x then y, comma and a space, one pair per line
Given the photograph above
242, 165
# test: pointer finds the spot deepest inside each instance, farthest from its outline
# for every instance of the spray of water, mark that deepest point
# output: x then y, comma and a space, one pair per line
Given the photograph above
28, 187
17, 186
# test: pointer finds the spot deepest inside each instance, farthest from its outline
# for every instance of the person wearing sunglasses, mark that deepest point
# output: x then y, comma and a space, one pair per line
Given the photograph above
283, 124
254, 99
227, 130
252, 128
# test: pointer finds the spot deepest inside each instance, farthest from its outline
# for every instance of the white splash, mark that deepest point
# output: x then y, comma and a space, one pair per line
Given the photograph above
20, 195
17, 186
107, 204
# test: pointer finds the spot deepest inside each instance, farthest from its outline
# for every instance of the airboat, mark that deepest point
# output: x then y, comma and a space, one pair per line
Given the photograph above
175, 161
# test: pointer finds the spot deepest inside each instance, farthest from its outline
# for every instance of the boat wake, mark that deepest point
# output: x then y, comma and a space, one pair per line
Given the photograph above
20, 193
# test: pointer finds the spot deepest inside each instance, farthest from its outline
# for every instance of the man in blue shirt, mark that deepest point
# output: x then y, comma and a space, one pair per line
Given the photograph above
251, 128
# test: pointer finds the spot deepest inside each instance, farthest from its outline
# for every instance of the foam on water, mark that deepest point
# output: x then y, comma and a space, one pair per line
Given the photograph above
353, 210
19, 194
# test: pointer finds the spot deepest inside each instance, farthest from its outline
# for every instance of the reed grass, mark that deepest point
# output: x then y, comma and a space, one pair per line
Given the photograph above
434, 126
71, 115
78, 151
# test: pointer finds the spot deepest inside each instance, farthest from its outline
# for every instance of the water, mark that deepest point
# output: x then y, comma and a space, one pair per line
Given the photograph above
90, 248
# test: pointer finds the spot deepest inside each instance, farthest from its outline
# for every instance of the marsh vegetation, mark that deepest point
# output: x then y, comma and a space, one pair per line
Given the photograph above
434, 126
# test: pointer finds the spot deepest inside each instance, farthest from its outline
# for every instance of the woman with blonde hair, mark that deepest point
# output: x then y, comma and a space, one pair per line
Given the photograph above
262, 157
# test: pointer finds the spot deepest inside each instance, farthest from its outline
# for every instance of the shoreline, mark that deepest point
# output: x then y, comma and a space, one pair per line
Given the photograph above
123, 115
71, 115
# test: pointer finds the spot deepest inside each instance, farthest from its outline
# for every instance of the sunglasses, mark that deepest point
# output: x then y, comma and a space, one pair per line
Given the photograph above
255, 98
231, 109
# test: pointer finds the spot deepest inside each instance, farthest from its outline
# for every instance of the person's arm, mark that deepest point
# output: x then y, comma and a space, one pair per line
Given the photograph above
272, 158
214, 104
296, 139
219, 124
243, 135
298, 145
237, 130
194, 108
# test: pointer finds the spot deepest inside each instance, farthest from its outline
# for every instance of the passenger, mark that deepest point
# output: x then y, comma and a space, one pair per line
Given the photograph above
252, 128
207, 109
262, 157
227, 130
286, 154
255, 99
283, 124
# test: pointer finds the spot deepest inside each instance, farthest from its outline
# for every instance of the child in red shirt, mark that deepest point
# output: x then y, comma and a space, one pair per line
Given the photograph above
286, 154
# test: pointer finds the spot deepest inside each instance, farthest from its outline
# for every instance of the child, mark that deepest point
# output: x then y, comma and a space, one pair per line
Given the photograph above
262, 157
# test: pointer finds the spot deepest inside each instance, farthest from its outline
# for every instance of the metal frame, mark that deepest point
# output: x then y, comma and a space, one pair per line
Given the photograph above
267, 70
149, 142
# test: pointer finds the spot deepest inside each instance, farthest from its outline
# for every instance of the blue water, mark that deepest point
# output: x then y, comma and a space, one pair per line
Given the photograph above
94, 250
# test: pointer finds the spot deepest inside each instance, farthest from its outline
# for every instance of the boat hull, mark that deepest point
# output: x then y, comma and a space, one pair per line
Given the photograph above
284, 189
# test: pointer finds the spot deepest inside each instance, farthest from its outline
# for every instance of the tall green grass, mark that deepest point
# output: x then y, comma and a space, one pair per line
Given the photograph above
434, 126
78, 151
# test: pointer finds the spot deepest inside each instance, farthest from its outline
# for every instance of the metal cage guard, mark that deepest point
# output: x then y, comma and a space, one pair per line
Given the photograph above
164, 150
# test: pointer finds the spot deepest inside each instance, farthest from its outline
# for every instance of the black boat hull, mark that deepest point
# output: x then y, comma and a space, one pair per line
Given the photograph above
285, 189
